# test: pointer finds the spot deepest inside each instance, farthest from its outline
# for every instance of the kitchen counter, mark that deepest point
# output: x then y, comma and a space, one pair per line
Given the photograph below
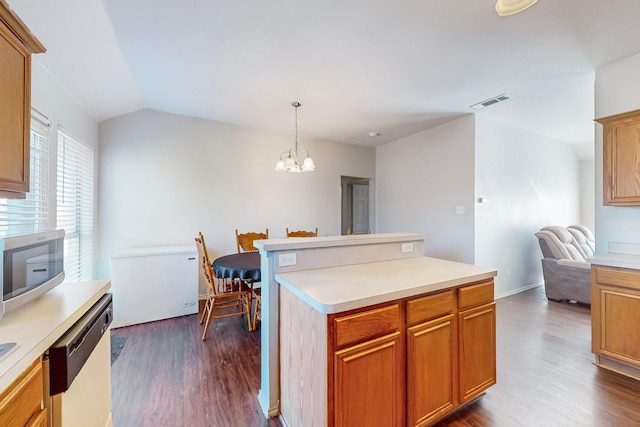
38, 325
617, 260
335, 289
418, 331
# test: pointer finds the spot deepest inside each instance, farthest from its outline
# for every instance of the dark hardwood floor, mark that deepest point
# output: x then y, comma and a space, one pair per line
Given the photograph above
166, 376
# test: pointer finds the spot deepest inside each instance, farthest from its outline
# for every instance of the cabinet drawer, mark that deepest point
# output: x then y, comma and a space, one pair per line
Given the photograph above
430, 307
23, 398
366, 325
471, 296
617, 277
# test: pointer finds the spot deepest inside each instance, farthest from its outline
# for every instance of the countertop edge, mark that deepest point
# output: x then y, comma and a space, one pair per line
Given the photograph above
616, 260
23, 356
387, 296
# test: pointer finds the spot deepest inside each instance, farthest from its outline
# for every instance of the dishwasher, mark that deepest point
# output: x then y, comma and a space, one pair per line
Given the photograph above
78, 378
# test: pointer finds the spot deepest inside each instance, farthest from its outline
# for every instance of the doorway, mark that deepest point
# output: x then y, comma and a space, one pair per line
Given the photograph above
355, 204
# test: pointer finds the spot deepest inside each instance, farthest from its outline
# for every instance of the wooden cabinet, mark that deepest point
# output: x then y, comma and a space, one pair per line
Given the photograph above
621, 159
367, 386
477, 339
368, 368
21, 402
16, 46
615, 314
477, 351
408, 362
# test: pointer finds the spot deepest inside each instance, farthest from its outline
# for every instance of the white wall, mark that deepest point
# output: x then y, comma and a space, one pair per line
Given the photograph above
50, 98
617, 91
587, 193
421, 179
164, 177
529, 181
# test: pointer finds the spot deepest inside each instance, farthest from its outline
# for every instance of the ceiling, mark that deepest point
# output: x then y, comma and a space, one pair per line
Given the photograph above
357, 66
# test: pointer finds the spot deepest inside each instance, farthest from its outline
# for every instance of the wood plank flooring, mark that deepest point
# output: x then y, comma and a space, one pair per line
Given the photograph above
166, 376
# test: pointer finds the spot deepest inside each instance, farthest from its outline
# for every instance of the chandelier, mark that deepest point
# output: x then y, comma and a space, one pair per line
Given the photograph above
509, 7
291, 163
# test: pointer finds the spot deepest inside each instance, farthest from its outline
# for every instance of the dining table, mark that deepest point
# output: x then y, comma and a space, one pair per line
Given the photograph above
246, 267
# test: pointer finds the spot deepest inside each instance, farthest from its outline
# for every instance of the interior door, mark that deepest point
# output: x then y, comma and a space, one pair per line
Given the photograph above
360, 212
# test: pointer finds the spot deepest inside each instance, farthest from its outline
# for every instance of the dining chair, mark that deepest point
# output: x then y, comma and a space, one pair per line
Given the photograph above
222, 293
350, 233
244, 241
302, 233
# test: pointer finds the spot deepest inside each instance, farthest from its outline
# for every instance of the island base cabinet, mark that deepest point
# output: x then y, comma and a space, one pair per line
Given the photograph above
368, 385
430, 371
477, 351
408, 362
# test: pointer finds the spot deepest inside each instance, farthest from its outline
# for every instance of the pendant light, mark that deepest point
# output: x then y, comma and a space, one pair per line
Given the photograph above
291, 163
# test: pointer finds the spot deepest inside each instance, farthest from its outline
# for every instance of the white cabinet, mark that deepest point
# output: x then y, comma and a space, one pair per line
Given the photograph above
153, 283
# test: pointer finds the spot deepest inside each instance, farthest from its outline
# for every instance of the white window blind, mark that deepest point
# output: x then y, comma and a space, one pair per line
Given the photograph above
75, 206
18, 216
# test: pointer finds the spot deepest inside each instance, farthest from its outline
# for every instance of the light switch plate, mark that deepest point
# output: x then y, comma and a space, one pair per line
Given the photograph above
407, 248
285, 260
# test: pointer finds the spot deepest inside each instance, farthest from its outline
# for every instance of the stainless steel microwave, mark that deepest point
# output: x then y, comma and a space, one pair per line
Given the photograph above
32, 264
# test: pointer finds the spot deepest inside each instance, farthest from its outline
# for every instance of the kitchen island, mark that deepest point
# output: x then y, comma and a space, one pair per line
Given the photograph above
371, 332
35, 328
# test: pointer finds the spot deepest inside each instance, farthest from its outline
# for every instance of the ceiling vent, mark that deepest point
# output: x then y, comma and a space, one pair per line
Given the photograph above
490, 101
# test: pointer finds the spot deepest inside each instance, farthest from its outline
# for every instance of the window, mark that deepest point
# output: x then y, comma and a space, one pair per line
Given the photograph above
19, 216
75, 206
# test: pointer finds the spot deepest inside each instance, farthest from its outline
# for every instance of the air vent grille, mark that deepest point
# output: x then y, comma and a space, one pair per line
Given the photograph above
490, 101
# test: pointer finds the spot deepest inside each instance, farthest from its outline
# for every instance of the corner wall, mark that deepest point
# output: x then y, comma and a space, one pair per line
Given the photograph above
421, 179
529, 181
617, 91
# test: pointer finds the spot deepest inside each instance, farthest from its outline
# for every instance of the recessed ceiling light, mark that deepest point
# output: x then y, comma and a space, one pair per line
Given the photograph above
490, 101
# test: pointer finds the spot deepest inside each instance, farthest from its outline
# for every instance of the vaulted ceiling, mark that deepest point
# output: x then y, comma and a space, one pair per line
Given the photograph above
357, 66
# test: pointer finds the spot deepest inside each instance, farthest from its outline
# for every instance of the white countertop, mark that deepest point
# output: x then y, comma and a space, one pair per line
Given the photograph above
36, 326
617, 260
336, 289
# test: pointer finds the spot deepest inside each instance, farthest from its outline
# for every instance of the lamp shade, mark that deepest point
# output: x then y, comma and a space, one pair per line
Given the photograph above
509, 7
308, 165
280, 165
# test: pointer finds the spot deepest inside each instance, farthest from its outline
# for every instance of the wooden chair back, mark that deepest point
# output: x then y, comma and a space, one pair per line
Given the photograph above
207, 268
302, 233
223, 293
244, 241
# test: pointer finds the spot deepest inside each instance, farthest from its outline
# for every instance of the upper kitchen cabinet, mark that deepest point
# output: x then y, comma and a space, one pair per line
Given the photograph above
16, 46
621, 159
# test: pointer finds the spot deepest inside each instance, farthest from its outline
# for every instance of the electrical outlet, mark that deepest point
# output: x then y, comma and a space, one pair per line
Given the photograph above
285, 260
407, 247
460, 210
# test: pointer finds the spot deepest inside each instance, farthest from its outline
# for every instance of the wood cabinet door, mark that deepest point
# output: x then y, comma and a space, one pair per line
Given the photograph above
23, 398
39, 419
477, 350
431, 367
619, 314
15, 113
621, 159
368, 383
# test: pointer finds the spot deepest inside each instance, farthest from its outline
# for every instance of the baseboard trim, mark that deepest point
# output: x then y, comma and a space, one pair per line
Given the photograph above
518, 290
